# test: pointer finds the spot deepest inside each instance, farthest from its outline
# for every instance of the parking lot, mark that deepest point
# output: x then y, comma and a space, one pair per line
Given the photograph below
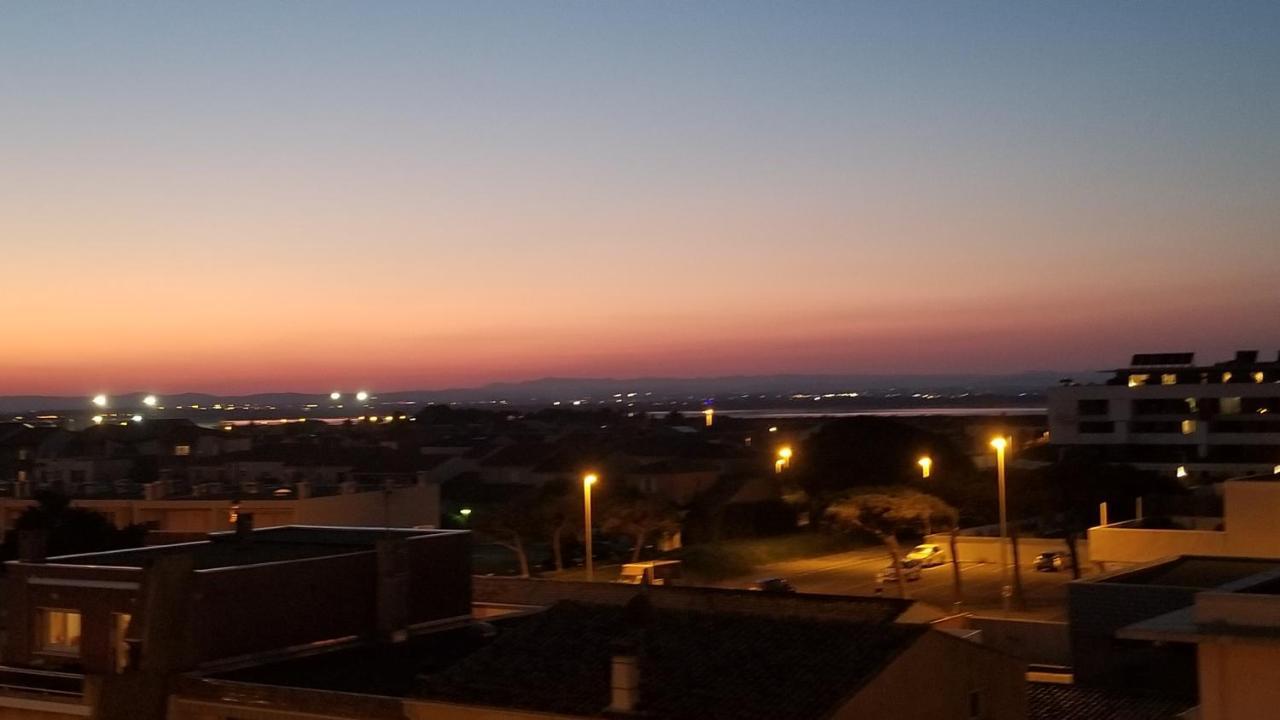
854, 573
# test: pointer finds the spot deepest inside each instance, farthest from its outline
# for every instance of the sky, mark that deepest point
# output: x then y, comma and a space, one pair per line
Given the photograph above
243, 196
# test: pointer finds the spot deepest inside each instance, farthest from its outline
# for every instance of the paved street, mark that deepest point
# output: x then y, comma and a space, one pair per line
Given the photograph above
853, 573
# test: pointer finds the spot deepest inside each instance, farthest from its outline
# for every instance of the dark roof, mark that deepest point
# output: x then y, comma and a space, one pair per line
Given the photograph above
1048, 701
692, 664
290, 542
1193, 572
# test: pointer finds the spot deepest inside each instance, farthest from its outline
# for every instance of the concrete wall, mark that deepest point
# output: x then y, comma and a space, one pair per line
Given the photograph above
412, 506
1113, 544
934, 679
987, 549
1239, 679
1036, 642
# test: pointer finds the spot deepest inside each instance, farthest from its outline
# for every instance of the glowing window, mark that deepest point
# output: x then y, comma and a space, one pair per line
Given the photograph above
1169, 379
1226, 377
1192, 405
1188, 427
60, 631
1182, 471
1259, 376
182, 450
1138, 380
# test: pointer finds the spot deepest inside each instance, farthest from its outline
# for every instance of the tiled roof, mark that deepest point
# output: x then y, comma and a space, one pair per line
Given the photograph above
1048, 701
699, 665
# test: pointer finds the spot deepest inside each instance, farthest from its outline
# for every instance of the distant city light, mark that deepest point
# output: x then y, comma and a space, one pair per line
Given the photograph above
97, 420
1182, 471
150, 401
773, 429
335, 396
362, 396
136, 418
465, 512
100, 400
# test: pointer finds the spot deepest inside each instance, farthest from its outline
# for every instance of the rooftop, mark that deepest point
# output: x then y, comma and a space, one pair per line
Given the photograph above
275, 544
1192, 572
1048, 701
693, 664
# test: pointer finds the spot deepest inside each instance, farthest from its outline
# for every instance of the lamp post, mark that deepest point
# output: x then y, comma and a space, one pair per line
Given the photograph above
1006, 591
710, 415
587, 481
926, 464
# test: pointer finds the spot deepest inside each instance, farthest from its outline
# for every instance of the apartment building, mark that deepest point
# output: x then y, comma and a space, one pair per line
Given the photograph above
1168, 413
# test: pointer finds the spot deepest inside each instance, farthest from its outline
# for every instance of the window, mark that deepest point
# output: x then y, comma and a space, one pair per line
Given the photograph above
1259, 376
119, 632
1093, 407
1226, 377
1181, 471
1230, 406
1138, 380
182, 450
1188, 427
1096, 428
60, 631
1169, 379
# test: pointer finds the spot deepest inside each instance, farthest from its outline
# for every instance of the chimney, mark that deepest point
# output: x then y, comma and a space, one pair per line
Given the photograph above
244, 527
624, 683
624, 667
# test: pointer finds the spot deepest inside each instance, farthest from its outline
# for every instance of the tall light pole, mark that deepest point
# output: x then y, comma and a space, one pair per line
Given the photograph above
587, 481
784, 458
926, 464
710, 415
1006, 592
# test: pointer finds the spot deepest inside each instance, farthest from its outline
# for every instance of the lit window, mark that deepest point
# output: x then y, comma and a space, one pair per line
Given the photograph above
1169, 379
1259, 376
1138, 380
1188, 427
1226, 377
182, 450
1182, 471
1192, 405
60, 631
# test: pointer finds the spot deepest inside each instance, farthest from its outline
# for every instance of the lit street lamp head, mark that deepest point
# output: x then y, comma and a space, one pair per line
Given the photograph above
589, 479
150, 400
999, 443
926, 464
362, 396
785, 453
100, 400
335, 395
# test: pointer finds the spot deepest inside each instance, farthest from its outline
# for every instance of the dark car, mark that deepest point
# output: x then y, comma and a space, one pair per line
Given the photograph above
1052, 561
774, 585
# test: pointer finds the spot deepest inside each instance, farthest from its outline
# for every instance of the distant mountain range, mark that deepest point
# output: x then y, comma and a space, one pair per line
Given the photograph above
544, 391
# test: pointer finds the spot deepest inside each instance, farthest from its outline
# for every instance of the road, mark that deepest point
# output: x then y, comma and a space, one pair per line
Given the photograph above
854, 573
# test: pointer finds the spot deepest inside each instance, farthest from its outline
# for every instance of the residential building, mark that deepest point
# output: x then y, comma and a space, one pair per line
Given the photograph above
1247, 529
1165, 412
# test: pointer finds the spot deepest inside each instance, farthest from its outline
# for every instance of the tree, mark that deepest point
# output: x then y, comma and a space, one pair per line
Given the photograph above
639, 516
560, 512
884, 513
863, 452
70, 530
511, 524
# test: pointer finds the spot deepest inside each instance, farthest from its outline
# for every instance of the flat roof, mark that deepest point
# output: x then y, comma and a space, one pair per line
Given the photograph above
1192, 571
272, 544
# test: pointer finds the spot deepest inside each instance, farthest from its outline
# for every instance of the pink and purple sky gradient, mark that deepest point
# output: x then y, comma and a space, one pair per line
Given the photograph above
298, 196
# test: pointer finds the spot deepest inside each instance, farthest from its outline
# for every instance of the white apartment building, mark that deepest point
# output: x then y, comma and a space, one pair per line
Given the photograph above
1164, 412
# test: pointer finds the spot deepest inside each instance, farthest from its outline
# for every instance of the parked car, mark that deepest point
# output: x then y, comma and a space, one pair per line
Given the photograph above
910, 572
653, 572
773, 585
928, 555
1052, 561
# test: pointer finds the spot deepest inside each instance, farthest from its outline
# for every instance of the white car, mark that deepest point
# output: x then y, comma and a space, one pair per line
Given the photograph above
927, 555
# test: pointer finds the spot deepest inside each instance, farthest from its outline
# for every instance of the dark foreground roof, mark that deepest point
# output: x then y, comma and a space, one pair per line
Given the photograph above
692, 664
1047, 701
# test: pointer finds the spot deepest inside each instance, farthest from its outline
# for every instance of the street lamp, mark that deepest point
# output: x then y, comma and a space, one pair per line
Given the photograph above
926, 464
335, 396
362, 396
1005, 590
587, 481
710, 415
150, 400
100, 400
784, 459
